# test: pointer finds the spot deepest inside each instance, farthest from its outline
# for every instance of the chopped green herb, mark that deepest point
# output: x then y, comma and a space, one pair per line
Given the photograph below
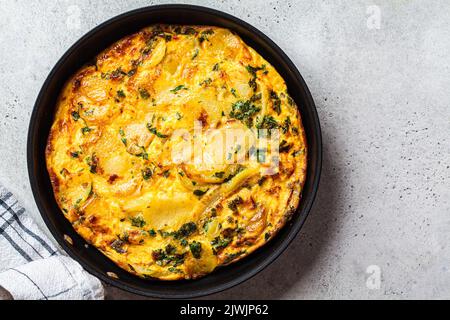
195, 54
231, 256
184, 242
284, 146
138, 221
268, 123
261, 181
252, 71
216, 67
204, 35
143, 153
255, 97
75, 115
186, 230
296, 153
158, 254
206, 225
122, 134
289, 99
77, 203
92, 162
166, 173
144, 93
170, 249
178, 88
147, 173
276, 102
179, 116
152, 233
233, 92
219, 243
219, 174
164, 234
233, 204
124, 236
169, 256
196, 249
206, 82
286, 125
199, 193
175, 270
115, 75
75, 154
252, 84
118, 73
131, 267
231, 176
117, 245
185, 30
85, 130
120, 95
156, 132
244, 111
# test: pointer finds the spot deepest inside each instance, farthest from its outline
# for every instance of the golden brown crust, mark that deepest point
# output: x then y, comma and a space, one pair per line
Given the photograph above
110, 152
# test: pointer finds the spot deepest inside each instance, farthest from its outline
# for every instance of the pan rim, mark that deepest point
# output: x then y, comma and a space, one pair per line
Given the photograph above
215, 288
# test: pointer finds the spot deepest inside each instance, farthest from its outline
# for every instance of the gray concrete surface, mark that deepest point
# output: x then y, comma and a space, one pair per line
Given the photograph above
379, 73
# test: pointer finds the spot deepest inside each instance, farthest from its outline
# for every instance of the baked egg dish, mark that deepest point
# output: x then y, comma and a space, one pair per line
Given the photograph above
177, 150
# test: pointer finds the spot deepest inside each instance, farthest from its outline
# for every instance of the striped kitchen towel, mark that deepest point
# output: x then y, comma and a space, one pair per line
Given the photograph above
31, 267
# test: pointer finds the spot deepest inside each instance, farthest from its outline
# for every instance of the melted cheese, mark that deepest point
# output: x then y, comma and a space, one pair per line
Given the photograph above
139, 158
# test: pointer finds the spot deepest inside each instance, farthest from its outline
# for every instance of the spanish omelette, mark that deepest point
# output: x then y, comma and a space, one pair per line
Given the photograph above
122, 151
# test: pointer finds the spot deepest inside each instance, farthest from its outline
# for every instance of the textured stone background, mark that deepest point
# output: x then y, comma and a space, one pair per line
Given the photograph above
382, 91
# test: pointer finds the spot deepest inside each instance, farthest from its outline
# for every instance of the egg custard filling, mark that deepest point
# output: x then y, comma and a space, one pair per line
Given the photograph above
176, 151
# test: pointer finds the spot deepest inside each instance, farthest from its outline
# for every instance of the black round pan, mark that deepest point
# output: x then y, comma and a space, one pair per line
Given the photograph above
42, 117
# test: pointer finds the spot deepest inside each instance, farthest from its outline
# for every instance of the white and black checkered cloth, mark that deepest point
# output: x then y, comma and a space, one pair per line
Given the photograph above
31, 267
